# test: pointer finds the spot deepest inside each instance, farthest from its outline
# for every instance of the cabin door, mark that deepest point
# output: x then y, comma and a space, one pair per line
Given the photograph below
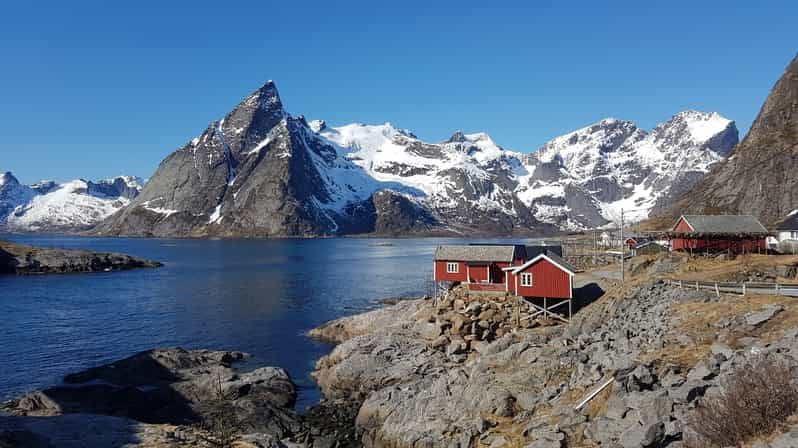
496, 274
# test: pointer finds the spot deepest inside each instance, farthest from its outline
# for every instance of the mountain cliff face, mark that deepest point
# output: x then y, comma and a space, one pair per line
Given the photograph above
72, 206
758, 178
261, 172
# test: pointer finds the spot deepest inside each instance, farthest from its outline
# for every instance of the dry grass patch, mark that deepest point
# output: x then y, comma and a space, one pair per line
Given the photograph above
712, 269
697, 319
506, 427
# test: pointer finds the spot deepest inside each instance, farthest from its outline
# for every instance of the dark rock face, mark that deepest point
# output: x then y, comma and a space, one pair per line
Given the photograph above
22, 259
261, 172
759, 176
250, 174
172, 386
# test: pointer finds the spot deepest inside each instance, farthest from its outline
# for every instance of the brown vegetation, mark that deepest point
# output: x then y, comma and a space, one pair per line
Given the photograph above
757, 400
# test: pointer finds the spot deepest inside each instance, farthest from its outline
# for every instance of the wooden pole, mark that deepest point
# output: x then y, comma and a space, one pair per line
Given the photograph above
545, 308
717, 291
623, 246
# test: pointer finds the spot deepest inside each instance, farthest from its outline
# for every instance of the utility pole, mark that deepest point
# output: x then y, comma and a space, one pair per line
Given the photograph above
623, 247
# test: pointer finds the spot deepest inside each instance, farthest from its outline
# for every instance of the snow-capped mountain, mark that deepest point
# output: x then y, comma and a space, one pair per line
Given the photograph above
261, 172
47, 206
586, 177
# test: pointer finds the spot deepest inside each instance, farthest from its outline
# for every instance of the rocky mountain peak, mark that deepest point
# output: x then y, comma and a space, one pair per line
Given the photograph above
317, 125
457, 137
7, 178
691, 127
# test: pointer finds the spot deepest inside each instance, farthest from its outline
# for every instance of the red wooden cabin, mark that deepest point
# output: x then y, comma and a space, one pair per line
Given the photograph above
526, 271
534, 273
478, 264
546, 275
734, 233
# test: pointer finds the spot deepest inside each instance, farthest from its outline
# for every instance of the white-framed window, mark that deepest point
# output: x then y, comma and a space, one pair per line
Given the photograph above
452, 268
526, 279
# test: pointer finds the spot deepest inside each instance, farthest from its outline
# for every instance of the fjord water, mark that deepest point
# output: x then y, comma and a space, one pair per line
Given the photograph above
257, 296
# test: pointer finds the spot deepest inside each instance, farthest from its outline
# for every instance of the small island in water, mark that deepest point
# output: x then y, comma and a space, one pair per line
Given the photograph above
22, 259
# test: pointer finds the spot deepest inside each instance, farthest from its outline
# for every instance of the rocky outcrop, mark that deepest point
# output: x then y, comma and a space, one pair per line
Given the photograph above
22, 259
419, 387
171, 387
90, 430
757, 178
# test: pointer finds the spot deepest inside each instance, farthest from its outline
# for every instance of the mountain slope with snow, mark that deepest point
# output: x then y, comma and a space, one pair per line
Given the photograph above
591, 174
262, 172
68, 207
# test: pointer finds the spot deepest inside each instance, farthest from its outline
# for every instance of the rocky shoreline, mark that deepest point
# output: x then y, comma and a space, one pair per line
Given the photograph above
21, 259
632, 369
429, 373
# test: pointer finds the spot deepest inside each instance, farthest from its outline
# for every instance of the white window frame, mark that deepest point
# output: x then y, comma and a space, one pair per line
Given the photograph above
452, 268
526, 279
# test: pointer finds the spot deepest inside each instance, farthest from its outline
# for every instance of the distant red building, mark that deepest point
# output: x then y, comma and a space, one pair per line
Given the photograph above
734, 233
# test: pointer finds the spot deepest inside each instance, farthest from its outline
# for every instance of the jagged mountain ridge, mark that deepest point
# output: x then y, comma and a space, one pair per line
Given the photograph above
261, 172
73, 206
586, 177
758, 178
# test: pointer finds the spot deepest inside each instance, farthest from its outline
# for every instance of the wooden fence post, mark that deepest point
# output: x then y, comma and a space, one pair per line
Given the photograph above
743, 289
717, 291
696, 285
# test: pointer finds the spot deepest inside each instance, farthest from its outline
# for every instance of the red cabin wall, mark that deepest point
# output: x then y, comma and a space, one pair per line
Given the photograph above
737, 246
442, 276
479, 273
548, 280
682, 226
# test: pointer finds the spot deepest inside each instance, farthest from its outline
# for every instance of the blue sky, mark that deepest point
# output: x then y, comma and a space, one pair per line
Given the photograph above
95, 89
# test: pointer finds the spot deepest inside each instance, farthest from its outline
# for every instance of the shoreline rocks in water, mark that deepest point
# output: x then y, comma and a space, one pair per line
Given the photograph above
22, 259
196, 393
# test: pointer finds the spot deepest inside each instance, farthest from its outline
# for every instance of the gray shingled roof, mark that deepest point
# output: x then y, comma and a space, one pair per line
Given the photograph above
561, 261
788, 223
553, 257
725, 224
480, 253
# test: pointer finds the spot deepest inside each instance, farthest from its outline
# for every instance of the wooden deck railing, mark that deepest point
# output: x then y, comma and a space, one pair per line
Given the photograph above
744, 288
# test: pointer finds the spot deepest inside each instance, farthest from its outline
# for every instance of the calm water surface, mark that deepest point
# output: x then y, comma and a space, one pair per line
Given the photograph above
257, 296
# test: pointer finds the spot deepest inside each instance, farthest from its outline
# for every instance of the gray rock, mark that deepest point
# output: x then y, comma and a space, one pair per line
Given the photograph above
765, 314
722, 349
643, 436
173, 386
